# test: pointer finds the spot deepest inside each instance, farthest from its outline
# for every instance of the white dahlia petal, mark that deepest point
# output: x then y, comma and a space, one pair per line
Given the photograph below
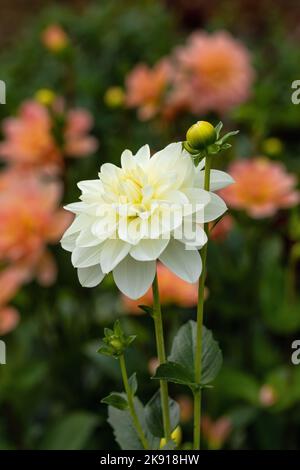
90, 187
214, 209
185, 263
191, 234
113, 251
198, 198
127, 161
164, 160
134, 278
177, 197
79, 223
68, 242
90, 277
143, 155
218, 179
82, 208
148, 250
85, 257
86, 238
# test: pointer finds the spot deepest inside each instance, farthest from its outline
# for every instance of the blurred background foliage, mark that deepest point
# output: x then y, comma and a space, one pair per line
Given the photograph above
52, 384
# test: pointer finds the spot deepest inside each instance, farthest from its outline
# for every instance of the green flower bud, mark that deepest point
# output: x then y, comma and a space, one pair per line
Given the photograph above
201, 135
117, 344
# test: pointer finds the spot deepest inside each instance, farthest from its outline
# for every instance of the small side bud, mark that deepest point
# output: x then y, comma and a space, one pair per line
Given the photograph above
115, 342
201, 135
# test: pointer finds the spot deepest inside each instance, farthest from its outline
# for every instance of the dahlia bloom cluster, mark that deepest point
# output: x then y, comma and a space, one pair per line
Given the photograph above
30, 219
212, 72
261, 188
29, 138
34, 146
149, 209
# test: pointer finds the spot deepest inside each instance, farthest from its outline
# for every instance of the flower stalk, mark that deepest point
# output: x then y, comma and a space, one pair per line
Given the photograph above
159, 335
131, 406
200, 309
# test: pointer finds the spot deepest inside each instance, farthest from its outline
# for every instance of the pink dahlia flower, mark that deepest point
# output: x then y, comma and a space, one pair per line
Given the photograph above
213, 72
261, 188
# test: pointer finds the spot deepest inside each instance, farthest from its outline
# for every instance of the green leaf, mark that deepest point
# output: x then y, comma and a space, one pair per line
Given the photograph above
176, 373
133, 383
71, 432
153, 414
116, 400
236, 385
184, 350
180, 367
124, 430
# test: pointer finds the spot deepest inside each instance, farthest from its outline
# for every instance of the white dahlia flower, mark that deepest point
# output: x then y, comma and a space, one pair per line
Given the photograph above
149, 209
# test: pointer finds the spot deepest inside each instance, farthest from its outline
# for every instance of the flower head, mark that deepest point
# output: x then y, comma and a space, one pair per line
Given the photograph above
30, 218
146, 88
55, 38
149, 209
262, 187
30, 141
213, 72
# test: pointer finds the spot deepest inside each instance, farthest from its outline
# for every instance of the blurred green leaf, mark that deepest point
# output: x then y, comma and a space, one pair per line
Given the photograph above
133, 383
153, 414
71, 432
235, 384
180, 367
124, 430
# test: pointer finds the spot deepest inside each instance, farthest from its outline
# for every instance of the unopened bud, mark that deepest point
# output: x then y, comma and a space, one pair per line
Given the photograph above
201, 135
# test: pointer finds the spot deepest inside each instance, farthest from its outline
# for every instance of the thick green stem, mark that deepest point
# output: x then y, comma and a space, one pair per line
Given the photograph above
128, 391
200, 308
161, 357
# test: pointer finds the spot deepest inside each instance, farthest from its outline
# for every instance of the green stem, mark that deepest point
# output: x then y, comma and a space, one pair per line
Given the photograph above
200, 308
161, 357
128, 391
